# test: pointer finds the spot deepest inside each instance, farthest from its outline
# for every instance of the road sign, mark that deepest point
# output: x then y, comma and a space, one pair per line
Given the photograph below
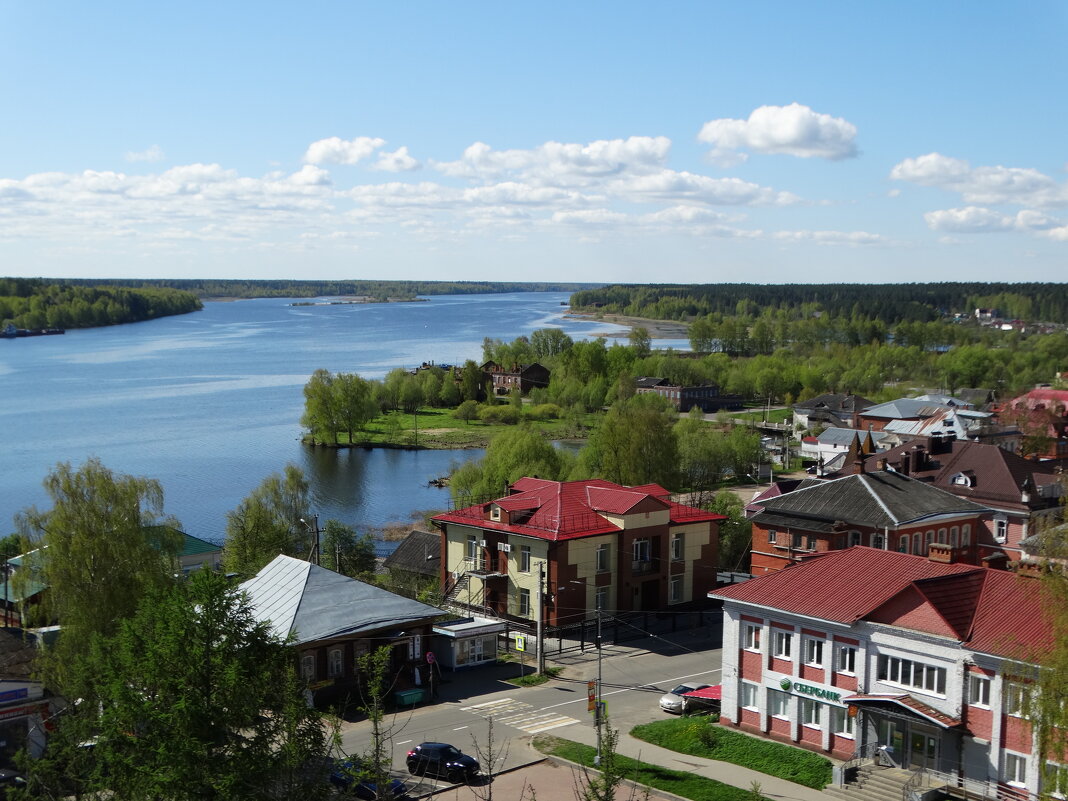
430, 658
520, 642
591, 695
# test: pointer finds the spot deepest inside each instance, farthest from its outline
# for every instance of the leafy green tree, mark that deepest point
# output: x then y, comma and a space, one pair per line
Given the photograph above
470, 381
268, 522
640, 341
703, 457
467, 411
510, 456
321, 414
190, 698
634, 444
354, 402
735, 533
346, 553
99, 549
450, 391
549, 342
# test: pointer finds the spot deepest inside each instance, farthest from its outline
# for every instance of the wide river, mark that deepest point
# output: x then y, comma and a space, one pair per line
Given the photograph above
209, 403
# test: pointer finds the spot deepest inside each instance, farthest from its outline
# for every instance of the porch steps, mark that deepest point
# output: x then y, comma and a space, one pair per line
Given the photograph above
460, 585
873, 783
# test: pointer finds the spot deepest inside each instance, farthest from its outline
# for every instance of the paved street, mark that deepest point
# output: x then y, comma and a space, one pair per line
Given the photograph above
634, 677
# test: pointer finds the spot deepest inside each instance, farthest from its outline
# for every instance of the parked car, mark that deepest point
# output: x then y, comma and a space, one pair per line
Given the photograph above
674, 702
344, 775
442, 760
9, 780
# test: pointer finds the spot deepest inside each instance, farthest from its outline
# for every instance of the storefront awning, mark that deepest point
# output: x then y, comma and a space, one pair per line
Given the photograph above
713, 693
911, 706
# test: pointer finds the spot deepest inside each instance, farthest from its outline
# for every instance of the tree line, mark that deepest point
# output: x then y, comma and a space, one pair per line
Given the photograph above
34, 303
889, 303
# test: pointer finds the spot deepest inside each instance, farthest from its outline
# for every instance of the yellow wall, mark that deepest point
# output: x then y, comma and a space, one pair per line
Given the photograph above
639, 520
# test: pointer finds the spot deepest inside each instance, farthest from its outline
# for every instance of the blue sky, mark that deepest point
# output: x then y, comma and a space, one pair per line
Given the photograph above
637, 142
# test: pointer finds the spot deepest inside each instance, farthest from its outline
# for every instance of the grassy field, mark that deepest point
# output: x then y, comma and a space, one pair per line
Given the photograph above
686, 785
699, 737
437, 428
758, 415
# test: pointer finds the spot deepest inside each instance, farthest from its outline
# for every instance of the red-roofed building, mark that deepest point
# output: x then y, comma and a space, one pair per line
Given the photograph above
1042, 416
597, 543
865, 648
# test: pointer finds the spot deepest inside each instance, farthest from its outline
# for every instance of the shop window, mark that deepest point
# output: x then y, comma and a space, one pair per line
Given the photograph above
978, 690
779, 704
842, 723
335, 662
749, 695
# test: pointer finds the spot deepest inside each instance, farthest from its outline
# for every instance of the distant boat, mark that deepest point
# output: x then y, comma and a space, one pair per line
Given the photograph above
10, 332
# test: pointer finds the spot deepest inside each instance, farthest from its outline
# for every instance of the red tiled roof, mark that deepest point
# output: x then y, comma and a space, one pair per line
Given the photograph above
992, 611
569, 509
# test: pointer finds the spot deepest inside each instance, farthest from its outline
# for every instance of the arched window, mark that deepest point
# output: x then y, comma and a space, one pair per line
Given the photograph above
929, 539
942, 538
917, 542
954, 536
903, 543
966, 535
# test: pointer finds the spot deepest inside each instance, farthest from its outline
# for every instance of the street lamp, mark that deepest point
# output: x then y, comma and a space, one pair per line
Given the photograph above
314, 528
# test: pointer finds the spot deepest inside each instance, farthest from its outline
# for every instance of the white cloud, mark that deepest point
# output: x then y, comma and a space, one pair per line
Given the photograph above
336, 150
397, 161
832, 237
669, 185
153, 153
559, 164
982, 185
792, 130
970, 220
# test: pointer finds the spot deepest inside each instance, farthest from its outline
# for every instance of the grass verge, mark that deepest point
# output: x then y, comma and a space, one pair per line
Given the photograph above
678, 782
534, 679
698, 737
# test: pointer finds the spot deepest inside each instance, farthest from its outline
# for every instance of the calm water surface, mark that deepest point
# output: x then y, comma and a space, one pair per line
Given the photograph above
209, 403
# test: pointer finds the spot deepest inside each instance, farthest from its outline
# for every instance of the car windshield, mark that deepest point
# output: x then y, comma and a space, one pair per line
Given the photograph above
682, 688
451, 751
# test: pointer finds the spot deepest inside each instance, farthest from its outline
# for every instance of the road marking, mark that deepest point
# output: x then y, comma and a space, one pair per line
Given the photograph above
402, 742
632, 689
519, 715
458, 728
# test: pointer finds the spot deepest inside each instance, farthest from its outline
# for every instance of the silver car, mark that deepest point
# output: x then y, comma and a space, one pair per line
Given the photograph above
674, 702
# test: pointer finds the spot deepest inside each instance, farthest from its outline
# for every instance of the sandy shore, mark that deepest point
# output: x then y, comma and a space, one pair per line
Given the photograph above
658, 329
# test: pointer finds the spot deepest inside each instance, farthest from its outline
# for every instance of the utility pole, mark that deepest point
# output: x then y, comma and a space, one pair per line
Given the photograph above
314, 528
598, 714
541, 617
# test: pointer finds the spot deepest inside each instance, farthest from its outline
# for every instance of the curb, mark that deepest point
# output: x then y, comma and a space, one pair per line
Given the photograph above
652, 791
522, 766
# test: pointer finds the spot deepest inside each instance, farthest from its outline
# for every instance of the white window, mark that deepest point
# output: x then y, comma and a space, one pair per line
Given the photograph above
603, 563
842, 723
1015, 770
749, 695
752, 637
811, 712
954, 536
903, 543
472, 547
675, 590
847, 659
966, 535
781, 641
773, 535
814, 651
335, 663
1055, 779
1015, 695
978, 690
1001, 530
524, 558
917, 675
307, 667
677, 548
641, 551
778, 704
602, 597
524, 603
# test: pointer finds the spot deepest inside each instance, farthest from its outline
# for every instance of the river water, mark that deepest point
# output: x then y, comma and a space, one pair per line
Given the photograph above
209, 403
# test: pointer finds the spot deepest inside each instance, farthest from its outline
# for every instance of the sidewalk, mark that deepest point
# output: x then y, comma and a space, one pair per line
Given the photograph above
726, 772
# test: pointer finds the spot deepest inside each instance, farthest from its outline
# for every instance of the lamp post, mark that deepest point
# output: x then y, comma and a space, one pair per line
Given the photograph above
314, 528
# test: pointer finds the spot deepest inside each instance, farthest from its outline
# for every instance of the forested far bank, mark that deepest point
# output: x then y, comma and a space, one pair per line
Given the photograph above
208, 289
888, 303
34, 303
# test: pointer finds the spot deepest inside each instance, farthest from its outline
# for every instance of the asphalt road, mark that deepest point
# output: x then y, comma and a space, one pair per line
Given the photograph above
633, 679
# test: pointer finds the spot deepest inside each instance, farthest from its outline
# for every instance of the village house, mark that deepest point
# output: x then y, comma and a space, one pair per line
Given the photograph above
525, 377
1020, 493
833, 409
869, 651
592, 544
1042, 416
334, 620
706, 396
885, 510
24, 703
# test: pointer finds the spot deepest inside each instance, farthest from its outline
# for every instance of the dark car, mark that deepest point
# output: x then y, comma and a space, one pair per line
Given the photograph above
442, 760
9, 780
345, 775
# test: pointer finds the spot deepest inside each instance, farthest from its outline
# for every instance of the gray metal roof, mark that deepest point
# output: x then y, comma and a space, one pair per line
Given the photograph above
883, 498
313, 603
843, 436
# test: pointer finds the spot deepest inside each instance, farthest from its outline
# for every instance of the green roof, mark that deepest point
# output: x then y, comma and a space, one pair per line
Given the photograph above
194, 545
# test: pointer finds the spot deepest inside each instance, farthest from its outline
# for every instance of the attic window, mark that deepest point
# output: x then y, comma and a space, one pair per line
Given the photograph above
965, 479
495, 512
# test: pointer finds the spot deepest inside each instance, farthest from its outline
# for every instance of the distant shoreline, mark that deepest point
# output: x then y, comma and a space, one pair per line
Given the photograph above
658, 329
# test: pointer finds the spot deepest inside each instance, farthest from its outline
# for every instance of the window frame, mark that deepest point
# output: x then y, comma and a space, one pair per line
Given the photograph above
846, 659
335, 662
811, 713
782, 643
979, 685
775, 699
842, 723
524, 558
600, 596
308, 667
675, 590
523, 602
1013, 698
814, 651
1019, 762
750, 696
751, 637
903, 672
678, 547
603, 549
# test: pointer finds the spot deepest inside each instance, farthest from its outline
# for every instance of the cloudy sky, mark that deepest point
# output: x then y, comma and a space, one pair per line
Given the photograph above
639, 142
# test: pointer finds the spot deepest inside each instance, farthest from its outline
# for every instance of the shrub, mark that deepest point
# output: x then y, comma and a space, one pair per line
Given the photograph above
504, 415
545, 411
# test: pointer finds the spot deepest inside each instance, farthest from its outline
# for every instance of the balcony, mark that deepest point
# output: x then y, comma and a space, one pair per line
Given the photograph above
643, 566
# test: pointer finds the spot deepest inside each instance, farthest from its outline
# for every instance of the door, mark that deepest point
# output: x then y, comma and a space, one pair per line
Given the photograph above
923, 750
891, 741
651, 594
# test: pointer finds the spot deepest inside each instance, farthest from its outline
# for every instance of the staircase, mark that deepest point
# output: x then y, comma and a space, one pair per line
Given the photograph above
460, 586
872, 783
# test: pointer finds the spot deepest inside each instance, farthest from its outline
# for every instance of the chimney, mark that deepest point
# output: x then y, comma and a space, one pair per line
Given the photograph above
906, 462
919, 458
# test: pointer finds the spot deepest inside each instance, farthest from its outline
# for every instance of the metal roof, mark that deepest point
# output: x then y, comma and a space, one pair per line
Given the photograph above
313, 603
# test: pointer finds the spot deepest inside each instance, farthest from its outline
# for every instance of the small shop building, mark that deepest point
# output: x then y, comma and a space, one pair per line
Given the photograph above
467, 642
863, 649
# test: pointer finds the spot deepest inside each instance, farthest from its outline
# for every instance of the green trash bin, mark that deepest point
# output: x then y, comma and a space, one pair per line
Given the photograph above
409, 697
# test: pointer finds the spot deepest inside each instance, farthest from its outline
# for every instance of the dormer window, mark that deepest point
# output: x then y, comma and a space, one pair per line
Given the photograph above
495, 513
964, 479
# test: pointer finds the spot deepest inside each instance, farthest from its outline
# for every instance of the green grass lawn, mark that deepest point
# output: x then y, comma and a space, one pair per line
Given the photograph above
686, 785
437, 428
699, 737
757, 415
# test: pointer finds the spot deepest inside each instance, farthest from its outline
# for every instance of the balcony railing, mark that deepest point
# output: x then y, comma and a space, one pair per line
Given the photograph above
640, 566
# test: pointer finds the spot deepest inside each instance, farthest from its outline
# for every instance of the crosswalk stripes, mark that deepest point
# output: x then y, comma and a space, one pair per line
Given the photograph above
519, 715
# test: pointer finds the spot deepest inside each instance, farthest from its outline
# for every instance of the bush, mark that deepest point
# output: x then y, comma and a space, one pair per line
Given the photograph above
688, 736
545, 411
501, 415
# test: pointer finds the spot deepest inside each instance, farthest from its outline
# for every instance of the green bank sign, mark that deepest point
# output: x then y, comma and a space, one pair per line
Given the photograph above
808, 689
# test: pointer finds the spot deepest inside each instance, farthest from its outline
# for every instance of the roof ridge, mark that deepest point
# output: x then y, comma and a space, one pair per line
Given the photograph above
878, 500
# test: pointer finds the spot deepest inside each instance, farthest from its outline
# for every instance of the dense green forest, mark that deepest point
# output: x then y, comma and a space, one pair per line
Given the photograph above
379, 290
888, 303
35, 303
